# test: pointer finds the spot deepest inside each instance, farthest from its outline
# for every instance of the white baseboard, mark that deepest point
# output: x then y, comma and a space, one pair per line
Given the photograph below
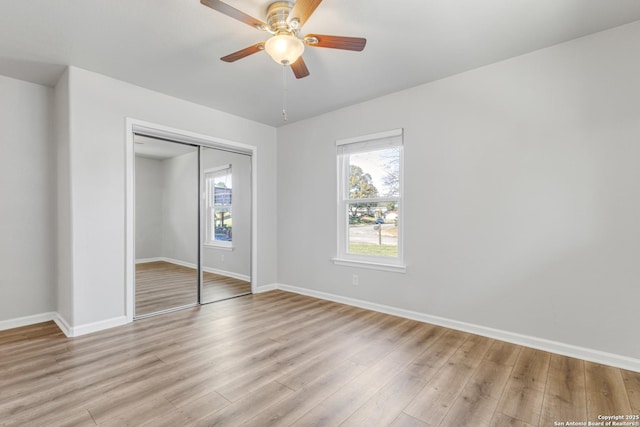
63, 325
76, 331
569, 350
70, 331
146, 260
266, 288
194, 266
227, 273
88, 328
179, 262
26, 320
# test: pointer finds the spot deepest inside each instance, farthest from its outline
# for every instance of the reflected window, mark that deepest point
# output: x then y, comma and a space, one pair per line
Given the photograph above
218, 187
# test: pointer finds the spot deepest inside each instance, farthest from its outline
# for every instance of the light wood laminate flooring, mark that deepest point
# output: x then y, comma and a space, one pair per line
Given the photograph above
283, 359
162, 285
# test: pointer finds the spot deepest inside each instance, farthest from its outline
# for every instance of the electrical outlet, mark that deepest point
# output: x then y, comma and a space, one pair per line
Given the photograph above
222, 258
354, 280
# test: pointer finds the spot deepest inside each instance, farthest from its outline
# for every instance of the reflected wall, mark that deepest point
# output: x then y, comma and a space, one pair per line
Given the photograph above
166, 224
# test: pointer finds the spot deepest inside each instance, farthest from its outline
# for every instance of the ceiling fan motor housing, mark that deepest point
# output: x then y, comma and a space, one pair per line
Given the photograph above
277, 18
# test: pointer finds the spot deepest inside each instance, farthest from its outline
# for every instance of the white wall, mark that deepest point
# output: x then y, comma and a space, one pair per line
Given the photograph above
98, 108
522, 196
64, 231
180, 208
27, 192
149, 204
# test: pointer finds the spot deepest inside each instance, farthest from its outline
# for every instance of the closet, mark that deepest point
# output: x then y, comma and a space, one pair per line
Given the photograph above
192, 224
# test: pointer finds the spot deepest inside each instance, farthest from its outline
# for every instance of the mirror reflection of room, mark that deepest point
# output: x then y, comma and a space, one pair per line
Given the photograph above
226, 224
166, 225
171, 260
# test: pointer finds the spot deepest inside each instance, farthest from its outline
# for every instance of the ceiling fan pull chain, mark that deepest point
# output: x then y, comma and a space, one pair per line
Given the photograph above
284, 92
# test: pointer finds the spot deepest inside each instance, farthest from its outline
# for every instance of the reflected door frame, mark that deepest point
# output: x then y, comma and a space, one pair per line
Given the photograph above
134, 126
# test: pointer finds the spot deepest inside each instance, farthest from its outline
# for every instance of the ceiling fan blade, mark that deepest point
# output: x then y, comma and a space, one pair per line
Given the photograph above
299, 68
234, 13
335, 42
232, 57
302, 10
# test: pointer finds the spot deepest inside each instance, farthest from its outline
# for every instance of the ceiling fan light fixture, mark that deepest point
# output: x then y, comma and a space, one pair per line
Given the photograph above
284, 48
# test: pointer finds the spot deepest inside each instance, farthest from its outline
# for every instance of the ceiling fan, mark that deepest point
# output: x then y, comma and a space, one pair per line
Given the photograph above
284, 21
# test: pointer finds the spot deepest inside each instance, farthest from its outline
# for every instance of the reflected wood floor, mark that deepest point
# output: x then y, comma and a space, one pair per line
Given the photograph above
279, 358
216, 287
162, 285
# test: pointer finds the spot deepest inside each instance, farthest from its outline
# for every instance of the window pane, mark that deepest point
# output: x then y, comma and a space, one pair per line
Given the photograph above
222, 179
373, 229
219, 198
222, 195
374, 174
223, 223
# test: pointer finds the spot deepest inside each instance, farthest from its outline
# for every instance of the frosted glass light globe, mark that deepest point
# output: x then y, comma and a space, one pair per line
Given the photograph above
284, 48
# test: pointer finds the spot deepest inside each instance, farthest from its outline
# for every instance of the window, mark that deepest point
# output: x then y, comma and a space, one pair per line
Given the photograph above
370, 201
218, 206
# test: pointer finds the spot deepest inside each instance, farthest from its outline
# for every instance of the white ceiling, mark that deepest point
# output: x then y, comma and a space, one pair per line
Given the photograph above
174, 46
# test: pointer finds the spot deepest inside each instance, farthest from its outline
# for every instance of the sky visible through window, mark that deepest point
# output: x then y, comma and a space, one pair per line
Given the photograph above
377, 164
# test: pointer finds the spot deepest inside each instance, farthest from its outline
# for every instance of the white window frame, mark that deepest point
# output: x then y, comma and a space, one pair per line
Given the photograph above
344, 148
209, 204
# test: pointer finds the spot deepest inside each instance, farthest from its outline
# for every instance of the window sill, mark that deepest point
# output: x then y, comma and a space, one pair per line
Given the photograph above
221, 247
370, 265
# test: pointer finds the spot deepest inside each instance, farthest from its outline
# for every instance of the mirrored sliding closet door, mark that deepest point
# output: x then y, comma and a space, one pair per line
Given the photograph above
225, 224
192, 225
166, 225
